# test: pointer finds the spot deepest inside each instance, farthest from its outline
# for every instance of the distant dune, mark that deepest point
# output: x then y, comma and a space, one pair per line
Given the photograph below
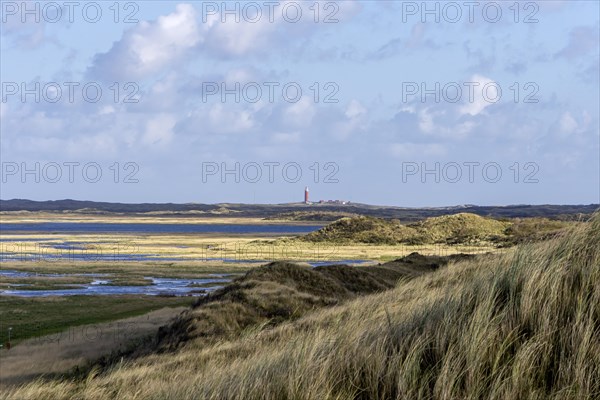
296, 210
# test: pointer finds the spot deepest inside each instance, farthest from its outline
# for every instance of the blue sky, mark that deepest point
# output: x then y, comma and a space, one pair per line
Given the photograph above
396, 107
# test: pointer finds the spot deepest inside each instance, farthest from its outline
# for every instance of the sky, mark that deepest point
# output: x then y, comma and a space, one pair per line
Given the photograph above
381, 102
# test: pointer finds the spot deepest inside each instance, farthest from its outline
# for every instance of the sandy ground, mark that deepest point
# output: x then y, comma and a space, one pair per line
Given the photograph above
148, 218
62, 351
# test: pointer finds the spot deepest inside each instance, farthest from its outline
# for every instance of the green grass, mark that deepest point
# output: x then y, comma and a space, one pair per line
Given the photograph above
31, 317
131, 280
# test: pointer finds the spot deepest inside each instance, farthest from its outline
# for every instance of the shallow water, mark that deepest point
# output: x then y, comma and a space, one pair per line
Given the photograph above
24, 239
83, 227
72, 254
24, 274
102, 287
159, 286
94, 256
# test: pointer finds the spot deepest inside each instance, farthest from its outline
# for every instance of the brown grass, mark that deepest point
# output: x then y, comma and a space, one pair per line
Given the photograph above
281, 291
461, 228
520, 325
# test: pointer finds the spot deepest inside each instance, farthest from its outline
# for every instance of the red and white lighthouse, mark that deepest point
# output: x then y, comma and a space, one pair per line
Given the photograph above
306, 195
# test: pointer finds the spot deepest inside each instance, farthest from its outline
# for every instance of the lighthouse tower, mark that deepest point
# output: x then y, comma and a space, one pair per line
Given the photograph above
306, 195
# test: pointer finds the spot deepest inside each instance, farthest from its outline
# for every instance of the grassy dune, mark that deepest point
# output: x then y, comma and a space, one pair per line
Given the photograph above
461, 228
278, 292
362, 229
523, 324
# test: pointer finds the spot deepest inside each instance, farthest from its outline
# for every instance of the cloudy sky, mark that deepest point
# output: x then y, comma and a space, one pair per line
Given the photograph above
380, 102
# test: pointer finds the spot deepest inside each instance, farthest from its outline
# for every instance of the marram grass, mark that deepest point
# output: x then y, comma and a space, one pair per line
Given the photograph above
524, 324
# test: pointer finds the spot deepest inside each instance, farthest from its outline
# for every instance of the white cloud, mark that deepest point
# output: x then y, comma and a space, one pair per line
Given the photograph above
300, 113
286, 137
484, 94
100, 143
238, 39
574, 127
228, 120
567, 123
241, 75
426, 121
353, 120
403, 150
41, 123
440, 123
355, 110
106, 110
151, 46
159, 130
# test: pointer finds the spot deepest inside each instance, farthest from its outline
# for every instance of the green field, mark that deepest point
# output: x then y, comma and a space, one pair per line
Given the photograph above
31, 317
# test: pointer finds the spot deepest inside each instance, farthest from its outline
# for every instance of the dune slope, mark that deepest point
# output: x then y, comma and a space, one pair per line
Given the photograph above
524, 324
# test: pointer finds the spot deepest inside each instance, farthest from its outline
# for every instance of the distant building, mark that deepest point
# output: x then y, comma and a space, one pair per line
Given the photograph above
307, 199
344, 202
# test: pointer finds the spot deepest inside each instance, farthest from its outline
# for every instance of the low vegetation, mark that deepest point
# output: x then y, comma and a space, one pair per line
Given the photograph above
326, 216
38, 316
362, 229
527, 229
520, 324
281, 291
461, 228
43, 282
